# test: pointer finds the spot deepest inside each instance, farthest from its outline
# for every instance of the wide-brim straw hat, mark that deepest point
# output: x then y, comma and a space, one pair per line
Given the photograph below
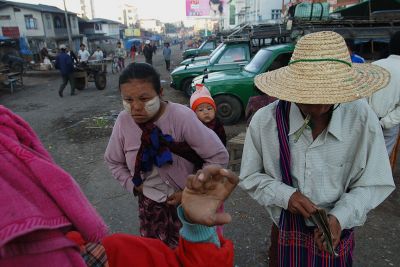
321, 72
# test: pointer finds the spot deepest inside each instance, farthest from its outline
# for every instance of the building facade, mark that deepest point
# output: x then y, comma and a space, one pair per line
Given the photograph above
152, 25
127, 15
41, 25
251, 12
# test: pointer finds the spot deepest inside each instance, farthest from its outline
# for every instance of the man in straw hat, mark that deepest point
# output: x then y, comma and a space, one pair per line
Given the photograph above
318, 147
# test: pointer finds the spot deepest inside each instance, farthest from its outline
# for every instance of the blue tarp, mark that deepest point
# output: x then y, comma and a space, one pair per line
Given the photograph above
21, 42
24, 48
155, 38
129, 42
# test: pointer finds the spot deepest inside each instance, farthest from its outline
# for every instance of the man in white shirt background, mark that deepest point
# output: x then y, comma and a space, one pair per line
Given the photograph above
98, 54
83, 54
386, 102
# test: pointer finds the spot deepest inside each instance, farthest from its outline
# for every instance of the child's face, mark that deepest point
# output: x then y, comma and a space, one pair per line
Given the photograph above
205, 112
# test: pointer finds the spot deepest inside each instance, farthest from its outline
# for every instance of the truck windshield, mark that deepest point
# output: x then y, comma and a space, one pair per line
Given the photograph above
216, 49
258, 61
214, 57
202, 44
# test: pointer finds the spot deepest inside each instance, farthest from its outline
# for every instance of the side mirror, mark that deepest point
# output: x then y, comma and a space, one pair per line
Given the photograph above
204, 78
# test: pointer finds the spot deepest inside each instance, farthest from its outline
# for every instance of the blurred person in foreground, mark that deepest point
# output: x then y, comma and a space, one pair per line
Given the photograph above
320, 146
47, 221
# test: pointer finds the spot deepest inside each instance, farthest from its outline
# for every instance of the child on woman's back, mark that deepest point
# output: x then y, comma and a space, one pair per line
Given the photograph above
204, 106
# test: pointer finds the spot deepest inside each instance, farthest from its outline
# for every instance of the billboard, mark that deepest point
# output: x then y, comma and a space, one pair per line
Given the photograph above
206, 8
132, 32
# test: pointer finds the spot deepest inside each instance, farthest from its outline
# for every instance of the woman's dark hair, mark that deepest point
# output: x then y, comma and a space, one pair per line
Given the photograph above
141, 71
394, 46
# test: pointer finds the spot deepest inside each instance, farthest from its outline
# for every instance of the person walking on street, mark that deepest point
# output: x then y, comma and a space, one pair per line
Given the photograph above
320, 147
167, 55
154, 46
121, 54
386, 102
148, 52
71, 54
65, 65
133, 52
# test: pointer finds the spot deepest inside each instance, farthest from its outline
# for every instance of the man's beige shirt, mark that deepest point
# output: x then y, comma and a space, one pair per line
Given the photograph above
345, 169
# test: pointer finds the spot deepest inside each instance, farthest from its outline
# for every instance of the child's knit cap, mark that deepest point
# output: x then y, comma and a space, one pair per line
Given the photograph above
200, 96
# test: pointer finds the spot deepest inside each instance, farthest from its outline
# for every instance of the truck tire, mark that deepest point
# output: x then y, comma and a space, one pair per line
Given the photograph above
229, 109
100, 80
80, 83
186, 87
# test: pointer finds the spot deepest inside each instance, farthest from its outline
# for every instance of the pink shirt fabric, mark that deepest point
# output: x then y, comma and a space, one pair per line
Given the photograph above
39, 202
182, 124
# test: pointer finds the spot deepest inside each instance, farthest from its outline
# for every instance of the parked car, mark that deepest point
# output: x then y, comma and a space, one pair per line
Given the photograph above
195, 59
231, 55
204, 49
231, 90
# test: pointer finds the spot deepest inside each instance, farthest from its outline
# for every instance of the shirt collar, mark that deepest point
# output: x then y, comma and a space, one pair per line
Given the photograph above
296, 120
335, 125
397, 57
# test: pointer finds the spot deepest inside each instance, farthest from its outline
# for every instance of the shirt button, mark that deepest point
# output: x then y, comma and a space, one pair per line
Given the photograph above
308, 173
167, 182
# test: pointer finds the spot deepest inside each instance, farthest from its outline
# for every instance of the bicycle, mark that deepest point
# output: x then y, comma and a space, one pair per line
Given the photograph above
116, 65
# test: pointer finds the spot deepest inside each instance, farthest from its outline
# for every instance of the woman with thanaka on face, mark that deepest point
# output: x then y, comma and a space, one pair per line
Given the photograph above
154, 146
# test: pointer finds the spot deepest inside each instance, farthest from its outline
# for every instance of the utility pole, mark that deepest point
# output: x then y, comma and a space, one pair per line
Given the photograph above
68, 28
92, 8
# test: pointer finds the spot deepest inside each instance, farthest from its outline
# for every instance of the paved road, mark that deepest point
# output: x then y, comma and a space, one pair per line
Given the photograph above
75, 129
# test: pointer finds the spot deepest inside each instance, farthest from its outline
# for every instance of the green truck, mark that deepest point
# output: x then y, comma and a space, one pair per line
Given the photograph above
194, 59
204, 49
232, 55
231, 90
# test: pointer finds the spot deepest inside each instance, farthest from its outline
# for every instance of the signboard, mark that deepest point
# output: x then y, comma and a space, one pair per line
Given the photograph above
206, 8
12, 32
132, 32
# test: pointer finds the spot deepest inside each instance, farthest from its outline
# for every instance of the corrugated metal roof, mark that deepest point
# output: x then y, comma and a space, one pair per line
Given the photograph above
104, 20
39, 7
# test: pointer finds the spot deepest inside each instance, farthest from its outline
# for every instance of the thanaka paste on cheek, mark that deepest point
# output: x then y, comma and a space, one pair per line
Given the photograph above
127, 107
152, 106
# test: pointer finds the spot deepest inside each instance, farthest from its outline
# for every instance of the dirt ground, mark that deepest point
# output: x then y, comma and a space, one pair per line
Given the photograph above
75, 129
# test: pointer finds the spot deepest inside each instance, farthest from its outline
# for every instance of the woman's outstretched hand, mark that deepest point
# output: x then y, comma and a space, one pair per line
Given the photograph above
205, 192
